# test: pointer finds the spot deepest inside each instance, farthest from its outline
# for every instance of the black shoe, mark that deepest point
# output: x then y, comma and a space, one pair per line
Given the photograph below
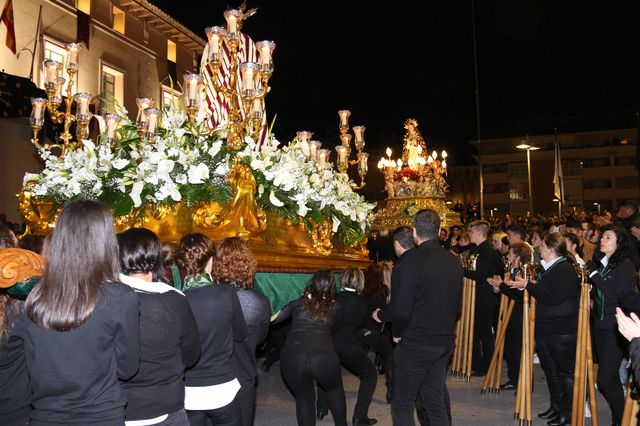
364, 421
508, 387
321, 414
549, 414
560, 420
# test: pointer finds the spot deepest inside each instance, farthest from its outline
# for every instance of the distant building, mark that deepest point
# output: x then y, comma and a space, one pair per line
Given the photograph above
598, 169
135, 50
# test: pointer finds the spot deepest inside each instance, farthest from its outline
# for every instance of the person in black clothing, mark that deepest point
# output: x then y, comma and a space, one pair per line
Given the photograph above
425, 304
234, 264
169, 339
309, 353
376, 293
488, 264
518, 254
629, 327
211, 385
557, 294
613, 277
15, 397
351, 318
80, 327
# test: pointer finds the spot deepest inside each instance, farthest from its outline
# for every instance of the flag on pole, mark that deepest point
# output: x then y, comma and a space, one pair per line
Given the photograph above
558, 183
7, 19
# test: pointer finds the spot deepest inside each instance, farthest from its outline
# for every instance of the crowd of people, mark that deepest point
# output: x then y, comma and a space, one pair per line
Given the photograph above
121, 329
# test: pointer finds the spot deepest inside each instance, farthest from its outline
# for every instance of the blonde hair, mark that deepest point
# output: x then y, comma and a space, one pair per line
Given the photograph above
352, 278
498, 236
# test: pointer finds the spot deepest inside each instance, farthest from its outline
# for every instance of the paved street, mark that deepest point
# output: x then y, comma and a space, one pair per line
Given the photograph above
276, 407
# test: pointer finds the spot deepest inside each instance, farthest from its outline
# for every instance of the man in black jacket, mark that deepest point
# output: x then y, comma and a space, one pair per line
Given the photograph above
488, 264
426, 297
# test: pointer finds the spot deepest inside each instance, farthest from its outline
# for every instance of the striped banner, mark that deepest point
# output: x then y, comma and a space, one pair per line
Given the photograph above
216, 103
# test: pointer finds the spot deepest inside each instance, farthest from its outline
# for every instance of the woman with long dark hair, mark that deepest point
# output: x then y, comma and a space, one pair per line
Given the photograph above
234, 264
612, 272
169, 339
557, 294
81, 330
308, 353
15, 396
376, 294
211, 385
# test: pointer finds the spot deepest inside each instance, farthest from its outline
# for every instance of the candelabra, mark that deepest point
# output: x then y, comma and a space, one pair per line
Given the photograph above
247, 82
417, 162
344, 150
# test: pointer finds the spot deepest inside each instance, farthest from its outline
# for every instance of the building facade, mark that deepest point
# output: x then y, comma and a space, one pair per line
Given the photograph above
135, 50
598, 167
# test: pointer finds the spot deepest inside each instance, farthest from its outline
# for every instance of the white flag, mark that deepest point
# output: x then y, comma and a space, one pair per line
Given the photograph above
558, 184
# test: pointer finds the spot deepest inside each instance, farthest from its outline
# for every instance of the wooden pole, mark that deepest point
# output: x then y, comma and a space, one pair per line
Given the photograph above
494, 374
471, 329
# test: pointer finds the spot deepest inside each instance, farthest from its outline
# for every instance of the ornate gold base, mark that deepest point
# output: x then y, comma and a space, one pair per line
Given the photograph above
396, 212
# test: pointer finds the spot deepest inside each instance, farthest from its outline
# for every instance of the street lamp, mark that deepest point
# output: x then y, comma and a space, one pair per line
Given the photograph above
529, 148
598, 205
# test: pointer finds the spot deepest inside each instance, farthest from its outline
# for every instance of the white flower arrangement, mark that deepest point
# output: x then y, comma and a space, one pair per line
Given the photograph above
182, 165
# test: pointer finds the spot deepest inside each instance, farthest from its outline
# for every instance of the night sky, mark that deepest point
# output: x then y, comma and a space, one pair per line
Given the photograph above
574, 65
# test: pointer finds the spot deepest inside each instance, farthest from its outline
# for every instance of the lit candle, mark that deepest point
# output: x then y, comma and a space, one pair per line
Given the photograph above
444, 154
153, 116
410, 162
434, 155
322, 158
249, 72
82, 104
265, 49
215, 36
37, 111
51, 71
399, 163
342, 154
256, 109
234, 21
143, 103
314, 148
444, 164
73, 50
346, 139
59, 85
388, 152
429, 160
344, 117
363, 167
192, 83
112, 121
359, 132
381, 163
304, 135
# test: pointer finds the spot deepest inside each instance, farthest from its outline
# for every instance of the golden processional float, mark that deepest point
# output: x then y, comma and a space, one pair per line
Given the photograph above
413, 182
205, 163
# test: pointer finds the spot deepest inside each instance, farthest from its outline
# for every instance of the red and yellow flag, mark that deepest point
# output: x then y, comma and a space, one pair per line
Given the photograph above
7, 18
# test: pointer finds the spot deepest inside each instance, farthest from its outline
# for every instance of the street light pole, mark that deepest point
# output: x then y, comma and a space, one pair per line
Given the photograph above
529, 148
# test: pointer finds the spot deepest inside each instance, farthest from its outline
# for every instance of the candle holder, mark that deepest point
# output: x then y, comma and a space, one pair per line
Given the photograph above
112, 121
153, 116
344, 150
142, 122
36, 120
314, 149
244, 117
192, 83
82, 115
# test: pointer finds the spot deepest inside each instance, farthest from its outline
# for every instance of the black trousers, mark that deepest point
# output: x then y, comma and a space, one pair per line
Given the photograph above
483, 338
354, 358
611, 348
300, 366
419, 372
229, 415
246, 398
382, 346
557, 354
513, 346
423, 418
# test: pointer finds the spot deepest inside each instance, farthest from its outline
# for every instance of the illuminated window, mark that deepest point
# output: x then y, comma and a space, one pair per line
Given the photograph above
170, 95
171, 51
84, 6
111, 88
118, 20
55, 51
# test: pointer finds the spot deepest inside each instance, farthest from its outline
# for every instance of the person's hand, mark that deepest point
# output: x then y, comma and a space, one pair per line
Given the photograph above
628, 327
375, 316
397, 339
495, 282
601, 221
519, 282
636, 232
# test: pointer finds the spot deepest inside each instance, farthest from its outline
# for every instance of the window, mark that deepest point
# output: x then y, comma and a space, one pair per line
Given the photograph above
627, 182
595, 162
597, 183
518, 170
571, 168
84, 6
494, 168
170, 95
118, 19
55, 51
111, 88
496, 188
624, 161
171, 51
519, 191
